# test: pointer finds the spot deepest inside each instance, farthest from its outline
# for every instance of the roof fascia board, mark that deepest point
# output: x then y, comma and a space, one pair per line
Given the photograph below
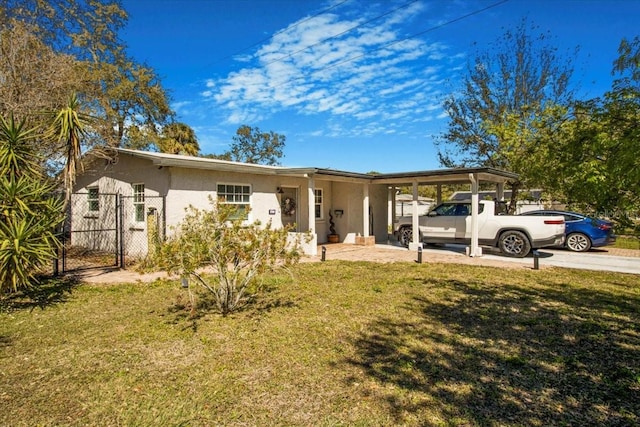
430, 177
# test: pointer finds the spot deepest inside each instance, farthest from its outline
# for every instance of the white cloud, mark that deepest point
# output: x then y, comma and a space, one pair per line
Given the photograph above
325, 65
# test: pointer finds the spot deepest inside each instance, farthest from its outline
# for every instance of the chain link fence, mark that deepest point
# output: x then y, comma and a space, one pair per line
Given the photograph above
90, 232
110, 230
144, 226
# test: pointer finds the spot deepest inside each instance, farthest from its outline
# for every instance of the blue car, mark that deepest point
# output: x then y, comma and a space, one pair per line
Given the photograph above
582, 232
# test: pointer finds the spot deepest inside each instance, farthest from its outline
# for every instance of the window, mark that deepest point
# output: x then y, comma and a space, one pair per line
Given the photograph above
446, 209
456, 209
237, 195
138, 202
317, 195
93, 199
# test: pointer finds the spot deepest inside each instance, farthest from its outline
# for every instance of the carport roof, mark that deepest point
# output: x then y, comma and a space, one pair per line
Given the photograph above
428, 177
447, 176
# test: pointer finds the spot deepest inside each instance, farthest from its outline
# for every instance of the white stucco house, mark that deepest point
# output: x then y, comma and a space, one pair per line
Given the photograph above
158, 187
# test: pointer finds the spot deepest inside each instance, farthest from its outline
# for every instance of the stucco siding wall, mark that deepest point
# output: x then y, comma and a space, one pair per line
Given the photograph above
349, 198
378, 200
117, 177
112, 179
194, 187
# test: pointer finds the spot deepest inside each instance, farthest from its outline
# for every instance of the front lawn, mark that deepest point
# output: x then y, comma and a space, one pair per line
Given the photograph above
335, 343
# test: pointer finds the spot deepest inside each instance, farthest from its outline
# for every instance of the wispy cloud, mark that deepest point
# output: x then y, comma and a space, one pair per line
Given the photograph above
353, 68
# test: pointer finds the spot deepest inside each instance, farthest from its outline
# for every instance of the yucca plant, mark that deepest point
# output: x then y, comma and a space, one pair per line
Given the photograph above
68, 127
29, 212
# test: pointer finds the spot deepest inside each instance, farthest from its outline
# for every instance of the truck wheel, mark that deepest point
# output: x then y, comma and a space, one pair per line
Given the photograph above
405, 236
578, 242
514, 244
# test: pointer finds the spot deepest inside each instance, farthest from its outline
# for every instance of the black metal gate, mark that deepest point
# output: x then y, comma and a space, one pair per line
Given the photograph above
104, 230
91, 232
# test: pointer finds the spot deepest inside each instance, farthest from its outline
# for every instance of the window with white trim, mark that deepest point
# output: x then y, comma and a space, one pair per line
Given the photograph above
93, 199
138, 202
318, 200
238, 195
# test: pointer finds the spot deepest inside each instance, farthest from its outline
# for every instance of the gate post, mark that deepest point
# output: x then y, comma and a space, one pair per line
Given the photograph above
120, 228
56, 264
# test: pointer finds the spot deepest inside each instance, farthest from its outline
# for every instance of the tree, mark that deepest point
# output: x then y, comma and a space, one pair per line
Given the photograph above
237, 253
34, 77
85, 29
68, 127
178, 138
597, 157
29, 210
127, 94
513, 99
254, 146
63, 46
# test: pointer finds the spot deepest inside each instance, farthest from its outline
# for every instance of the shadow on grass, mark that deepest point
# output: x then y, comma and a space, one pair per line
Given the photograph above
49, 291
509, 355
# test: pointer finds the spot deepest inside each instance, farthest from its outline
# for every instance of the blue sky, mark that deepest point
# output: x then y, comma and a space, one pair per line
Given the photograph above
354, 85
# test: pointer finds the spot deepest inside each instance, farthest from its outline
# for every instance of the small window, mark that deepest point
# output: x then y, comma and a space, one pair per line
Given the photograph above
317, 194
138, 202
237, 195
93, 199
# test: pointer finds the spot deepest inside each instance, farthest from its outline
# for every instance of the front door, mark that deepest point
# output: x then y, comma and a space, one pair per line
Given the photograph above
289, 207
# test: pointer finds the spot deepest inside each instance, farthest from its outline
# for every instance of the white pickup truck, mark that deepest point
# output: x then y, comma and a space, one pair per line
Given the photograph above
450, 222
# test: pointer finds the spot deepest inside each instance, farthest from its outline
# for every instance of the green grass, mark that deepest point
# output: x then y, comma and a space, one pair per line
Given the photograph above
626, 242
335, 344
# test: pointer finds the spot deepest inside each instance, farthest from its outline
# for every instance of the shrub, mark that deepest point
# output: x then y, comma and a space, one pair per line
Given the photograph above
217, 250
29, 214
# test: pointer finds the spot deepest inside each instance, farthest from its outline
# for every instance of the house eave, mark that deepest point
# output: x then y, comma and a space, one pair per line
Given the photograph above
428, 177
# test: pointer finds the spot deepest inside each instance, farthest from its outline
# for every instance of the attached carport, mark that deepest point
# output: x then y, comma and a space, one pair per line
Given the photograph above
471, 176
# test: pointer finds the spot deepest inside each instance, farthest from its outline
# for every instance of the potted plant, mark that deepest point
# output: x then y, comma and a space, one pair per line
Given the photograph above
332, 236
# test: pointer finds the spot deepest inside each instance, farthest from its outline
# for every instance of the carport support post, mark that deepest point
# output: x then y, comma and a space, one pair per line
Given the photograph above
311, 212
365, 210
473, 251
415, 241
391, 209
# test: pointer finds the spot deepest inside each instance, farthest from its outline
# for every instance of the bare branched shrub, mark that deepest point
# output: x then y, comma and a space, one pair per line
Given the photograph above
223, 254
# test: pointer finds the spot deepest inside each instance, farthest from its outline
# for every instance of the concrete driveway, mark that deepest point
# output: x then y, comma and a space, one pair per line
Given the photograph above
606, 259
600, 260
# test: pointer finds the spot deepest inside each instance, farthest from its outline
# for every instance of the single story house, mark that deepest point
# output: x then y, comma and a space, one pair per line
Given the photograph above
158, 187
